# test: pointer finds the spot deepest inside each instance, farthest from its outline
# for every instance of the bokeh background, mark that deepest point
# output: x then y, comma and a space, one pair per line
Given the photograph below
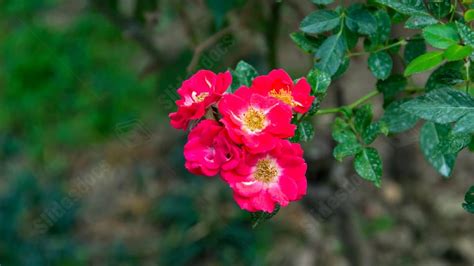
91, 173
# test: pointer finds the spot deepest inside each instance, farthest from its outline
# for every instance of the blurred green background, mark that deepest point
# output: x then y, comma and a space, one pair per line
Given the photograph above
92, 174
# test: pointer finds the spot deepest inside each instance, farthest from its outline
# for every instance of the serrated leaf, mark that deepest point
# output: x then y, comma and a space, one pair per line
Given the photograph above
412, 7
424, 62
397, 119
441, 105
373, 130
368, 165
362, 117
441, 35
259, 217
320, 21
319, 81
465, 124
306, 43
457, 52
413, 49
360, 20
243, 75
351, 38
419, 22
384, 27
304, 131
468, 204
345, 149
453, 143
439, 8
391, 87
341, 131
446, 76
467, 35
342, 68
331, 54
431, 136
380, 64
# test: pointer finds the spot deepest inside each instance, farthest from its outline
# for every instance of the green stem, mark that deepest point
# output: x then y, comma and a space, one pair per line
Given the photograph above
361, 100
401, 42
454, 10
364, 99
328, 111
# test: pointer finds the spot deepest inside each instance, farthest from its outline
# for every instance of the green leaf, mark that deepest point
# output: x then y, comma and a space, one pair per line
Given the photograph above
419, 22
465, 124
441, 36
468, 205
342, 68
411, 7
413, 49
469, 15
341, 131
304, 131
345, 149
306, 43
453, 143
380, 64
397, 119
320, 21
373, 130
441, 105
319, 81
322, 2
424, 62
243, 75
362, 117
446, 76
467, 35
259, 217
368, 165
457, 52
350, 37
391, 87
360, 20
331, 54
430, 137
384, 27
439, 8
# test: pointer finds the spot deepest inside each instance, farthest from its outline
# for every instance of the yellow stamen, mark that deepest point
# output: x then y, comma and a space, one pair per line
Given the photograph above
283, 95
254, 120
265, 171
200, 97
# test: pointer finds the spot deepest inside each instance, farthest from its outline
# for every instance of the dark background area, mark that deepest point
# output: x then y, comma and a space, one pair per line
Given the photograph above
91, 173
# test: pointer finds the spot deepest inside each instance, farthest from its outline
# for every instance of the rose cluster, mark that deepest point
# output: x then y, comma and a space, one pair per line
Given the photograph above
243, 135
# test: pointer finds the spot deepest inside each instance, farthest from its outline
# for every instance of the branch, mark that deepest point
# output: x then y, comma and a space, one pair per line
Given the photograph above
130, 28
203, 46
272, 30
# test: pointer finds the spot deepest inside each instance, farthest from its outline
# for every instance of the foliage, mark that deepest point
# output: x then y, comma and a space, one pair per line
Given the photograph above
446, 101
